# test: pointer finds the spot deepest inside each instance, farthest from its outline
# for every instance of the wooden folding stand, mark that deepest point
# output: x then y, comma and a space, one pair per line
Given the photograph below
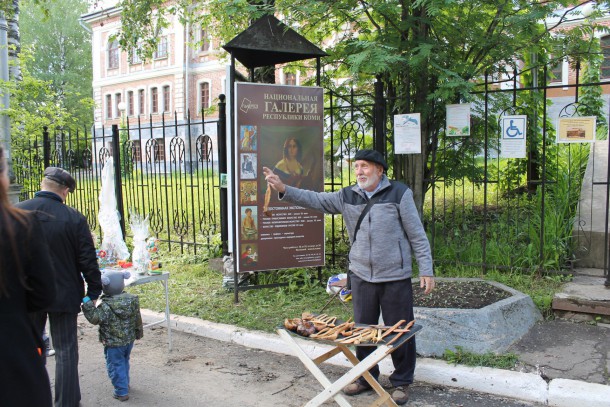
360, 368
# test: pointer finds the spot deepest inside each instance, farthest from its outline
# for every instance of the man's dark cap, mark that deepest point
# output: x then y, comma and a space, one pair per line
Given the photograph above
373, 156
60, 176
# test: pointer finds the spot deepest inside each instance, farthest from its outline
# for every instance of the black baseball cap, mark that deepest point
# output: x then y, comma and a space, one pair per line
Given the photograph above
60, 176
373, 156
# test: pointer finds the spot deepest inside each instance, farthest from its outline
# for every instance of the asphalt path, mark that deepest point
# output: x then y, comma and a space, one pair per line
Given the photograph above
201, 371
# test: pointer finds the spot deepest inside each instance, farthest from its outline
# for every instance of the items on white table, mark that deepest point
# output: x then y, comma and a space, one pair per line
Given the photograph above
113, 244
154, 265
140, 255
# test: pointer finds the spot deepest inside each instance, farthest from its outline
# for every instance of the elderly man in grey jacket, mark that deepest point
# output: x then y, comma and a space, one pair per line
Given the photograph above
380, 255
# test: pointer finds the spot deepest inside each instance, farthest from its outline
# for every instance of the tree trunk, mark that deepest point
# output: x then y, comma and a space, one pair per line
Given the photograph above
14, 42
415, 88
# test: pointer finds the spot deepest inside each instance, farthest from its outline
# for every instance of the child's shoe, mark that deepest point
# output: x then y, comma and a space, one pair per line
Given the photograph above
50, 351
121, 398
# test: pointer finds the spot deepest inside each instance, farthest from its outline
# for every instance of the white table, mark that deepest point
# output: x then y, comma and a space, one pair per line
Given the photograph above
333, 390
163, 279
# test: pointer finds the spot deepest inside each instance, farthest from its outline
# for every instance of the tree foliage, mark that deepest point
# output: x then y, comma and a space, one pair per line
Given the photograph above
428, 53
33, 104
61, 52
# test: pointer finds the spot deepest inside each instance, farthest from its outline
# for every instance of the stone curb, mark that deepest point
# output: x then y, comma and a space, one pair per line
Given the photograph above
505, 383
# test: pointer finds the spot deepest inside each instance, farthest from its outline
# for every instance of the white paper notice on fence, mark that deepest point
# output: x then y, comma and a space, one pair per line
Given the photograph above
407, 133
458, 120
576, 129
513, 137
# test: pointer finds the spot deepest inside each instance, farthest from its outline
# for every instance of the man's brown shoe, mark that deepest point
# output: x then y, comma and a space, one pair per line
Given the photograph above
356, 388
400, 395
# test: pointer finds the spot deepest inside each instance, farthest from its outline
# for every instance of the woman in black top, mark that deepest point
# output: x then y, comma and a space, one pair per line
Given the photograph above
26, 285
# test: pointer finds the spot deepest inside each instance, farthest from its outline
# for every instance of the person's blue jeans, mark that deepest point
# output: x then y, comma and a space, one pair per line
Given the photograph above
117, 364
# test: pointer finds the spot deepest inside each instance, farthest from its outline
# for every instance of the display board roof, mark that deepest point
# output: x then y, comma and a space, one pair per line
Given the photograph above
268, 41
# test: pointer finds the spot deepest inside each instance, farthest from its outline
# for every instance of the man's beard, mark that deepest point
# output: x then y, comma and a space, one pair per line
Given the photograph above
370, 181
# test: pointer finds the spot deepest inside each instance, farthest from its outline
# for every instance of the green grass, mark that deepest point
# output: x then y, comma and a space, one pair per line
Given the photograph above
196, 291
489, 359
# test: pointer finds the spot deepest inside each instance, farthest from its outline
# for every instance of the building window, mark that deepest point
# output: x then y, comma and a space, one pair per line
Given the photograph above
291, 79
161, 51
204, 41
108, 106
159, 153
155, 150
154, 100
136, 151
166, 99
134, 57
204, 148
556, 71
130, 107
605, 43
141, 101
204, 92
117, 102
113, 55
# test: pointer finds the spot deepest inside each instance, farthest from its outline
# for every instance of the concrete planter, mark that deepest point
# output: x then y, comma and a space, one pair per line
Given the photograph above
490, 329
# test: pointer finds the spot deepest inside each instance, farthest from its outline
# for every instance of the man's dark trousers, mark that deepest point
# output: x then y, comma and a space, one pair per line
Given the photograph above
65, 342
395, 301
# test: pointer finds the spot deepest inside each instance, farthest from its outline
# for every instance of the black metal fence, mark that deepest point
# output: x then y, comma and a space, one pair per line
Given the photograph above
479, 209
547, 212
166, 171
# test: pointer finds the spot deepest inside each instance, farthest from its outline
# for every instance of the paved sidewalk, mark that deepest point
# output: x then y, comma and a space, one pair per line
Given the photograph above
566, 364
204, 372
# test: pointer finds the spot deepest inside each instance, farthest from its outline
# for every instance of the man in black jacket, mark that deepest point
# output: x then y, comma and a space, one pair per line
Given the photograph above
73, 255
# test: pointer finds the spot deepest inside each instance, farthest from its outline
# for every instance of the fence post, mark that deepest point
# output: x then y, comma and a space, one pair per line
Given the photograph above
118, 186
222, 169
380, 127
46, 147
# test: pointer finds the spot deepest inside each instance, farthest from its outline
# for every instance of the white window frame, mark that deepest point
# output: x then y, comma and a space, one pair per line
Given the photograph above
129, 105
166, 55
200, 39
140, 110
162, 98
199, 104
117, 98
150, 100
109, 43
108, 110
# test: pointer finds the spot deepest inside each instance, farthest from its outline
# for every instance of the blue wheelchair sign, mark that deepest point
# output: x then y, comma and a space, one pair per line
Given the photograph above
513, 127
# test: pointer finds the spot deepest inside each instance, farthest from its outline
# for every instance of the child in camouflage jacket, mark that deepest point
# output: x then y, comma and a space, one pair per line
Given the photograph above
120, 321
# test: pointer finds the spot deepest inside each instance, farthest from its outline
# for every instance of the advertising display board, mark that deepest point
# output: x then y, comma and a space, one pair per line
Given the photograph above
279, 127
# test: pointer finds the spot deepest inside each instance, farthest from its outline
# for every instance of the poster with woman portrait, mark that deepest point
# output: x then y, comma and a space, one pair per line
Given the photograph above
287, 125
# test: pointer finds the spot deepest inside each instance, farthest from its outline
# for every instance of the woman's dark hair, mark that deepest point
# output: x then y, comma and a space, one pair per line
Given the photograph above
8, 215
299, 148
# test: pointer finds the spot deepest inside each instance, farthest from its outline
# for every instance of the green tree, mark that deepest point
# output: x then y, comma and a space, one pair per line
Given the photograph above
33, 105
428, 53
61, 50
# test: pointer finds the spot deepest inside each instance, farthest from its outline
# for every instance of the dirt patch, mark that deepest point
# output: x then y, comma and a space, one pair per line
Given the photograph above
459, 294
